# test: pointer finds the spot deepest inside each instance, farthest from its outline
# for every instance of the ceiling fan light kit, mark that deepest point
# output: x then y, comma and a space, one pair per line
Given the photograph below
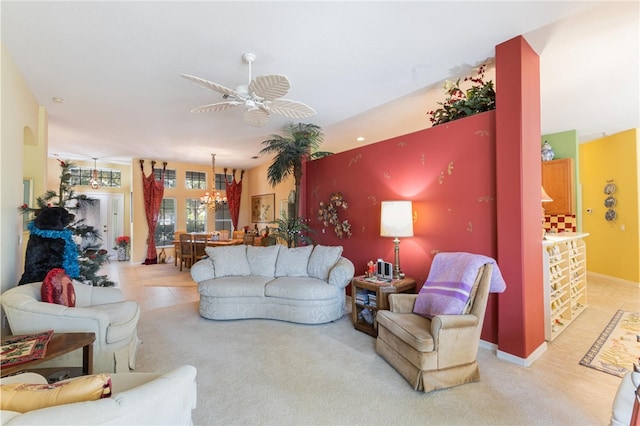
260, 98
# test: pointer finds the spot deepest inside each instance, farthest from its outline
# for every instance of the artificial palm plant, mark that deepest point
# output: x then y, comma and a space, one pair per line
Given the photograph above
294, 231
299, 144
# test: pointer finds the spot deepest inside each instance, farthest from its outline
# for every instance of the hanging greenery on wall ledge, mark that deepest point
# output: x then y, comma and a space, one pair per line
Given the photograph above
458, 103
328, 215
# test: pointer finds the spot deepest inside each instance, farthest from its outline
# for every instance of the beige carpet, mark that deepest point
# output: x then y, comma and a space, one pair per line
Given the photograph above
262, 372
618, 346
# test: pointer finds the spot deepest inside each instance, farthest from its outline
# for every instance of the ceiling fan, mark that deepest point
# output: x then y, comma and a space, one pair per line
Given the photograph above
260, 98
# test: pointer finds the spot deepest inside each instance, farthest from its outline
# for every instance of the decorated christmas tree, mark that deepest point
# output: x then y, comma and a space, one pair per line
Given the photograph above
90, 254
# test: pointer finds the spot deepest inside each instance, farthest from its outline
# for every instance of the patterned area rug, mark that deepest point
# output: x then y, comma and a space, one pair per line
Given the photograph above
618, 346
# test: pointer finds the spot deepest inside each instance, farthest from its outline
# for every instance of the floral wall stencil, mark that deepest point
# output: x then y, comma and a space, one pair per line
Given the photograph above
355, 159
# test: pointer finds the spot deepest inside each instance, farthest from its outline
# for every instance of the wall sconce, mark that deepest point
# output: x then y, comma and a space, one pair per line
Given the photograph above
396, 220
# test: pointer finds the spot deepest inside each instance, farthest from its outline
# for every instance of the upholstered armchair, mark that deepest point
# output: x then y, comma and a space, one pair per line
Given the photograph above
101, 310
438, 352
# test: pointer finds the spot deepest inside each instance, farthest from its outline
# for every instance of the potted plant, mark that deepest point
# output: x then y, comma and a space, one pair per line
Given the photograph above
480, 97
123, 244
300, 144
294, 231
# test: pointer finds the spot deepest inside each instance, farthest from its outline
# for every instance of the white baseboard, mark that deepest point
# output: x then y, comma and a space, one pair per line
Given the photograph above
524, 362
614, 279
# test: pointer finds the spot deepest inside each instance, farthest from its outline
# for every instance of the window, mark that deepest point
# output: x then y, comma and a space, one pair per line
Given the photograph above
166, 226
196, 216
196, 180
80, 176
169, 177
223, 218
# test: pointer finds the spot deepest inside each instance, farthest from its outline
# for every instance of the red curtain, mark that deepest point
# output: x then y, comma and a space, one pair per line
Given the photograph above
153, 193
234, 191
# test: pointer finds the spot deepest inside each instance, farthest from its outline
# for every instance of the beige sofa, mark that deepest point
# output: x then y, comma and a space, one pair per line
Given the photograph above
100, 310
137, 399
302, 285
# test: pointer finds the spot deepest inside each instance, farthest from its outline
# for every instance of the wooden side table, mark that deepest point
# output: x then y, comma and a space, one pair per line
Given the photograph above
371, 296
60, 344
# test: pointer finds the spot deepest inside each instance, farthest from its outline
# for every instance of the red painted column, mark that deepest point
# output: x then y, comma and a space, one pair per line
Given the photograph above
518, 180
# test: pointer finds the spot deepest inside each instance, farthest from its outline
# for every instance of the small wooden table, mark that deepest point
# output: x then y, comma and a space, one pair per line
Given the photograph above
60, 344
374, 298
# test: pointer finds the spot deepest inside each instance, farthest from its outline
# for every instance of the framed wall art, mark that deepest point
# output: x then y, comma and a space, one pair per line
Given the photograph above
263, 208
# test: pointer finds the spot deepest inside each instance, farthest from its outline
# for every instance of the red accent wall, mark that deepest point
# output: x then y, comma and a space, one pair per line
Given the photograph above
448, 171
475, 186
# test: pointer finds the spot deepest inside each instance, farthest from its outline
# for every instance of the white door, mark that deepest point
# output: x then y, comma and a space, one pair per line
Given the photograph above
106, 216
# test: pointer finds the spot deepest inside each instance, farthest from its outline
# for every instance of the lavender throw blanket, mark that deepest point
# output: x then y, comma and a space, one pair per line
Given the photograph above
450, 282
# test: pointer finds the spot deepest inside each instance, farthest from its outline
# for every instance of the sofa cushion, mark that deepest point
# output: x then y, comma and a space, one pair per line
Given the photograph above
23, 397
262, 260
229, 260
292, 262
57, 288
300, 288
123, 319
322, 259
239, 286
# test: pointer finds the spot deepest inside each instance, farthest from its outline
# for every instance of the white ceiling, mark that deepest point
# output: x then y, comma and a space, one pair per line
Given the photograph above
369, 69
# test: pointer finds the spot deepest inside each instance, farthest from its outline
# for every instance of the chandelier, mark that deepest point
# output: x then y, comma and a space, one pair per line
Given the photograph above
94, 182
214, 199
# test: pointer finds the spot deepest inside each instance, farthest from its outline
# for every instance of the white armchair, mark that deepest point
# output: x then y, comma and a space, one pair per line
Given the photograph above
137, 399
101, 310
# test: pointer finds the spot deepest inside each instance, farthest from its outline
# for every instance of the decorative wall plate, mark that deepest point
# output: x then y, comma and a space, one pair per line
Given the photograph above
609, 202
610, 188
610, 215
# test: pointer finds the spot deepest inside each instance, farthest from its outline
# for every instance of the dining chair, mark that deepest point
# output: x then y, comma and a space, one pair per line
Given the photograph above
199, 245
186, 250
176, 246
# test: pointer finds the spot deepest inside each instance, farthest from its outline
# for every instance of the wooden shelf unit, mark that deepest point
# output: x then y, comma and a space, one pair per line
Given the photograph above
374, 297
565, 281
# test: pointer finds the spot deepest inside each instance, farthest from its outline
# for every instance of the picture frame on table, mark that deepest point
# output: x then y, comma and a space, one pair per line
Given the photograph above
263, 208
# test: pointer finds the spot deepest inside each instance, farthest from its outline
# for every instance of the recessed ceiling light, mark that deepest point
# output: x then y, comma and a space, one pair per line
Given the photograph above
58, 100
360, 138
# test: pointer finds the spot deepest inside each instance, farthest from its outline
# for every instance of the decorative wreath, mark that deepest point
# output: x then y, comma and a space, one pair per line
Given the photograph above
328, 215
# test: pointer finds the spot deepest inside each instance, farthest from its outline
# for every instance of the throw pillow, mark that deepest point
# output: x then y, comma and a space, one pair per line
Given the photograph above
229, 260
322, 259
57, 288
22, 397
442, 298
292, 262
262, 260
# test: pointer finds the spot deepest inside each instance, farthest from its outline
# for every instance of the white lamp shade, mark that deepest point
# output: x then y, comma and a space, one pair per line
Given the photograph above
396, 219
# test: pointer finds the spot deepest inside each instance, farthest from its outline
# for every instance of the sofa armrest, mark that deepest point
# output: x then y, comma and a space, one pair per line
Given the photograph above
37, 316
202, 270
448, 331
104, 295
402, 303
342, 273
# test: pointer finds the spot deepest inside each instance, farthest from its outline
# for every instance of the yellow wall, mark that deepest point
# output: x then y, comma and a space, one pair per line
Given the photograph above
613, 248
23, 149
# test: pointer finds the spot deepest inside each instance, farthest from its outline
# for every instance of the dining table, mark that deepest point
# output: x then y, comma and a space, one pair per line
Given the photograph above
210, 243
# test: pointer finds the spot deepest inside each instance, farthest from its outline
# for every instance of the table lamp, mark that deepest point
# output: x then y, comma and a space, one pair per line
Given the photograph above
396, 220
